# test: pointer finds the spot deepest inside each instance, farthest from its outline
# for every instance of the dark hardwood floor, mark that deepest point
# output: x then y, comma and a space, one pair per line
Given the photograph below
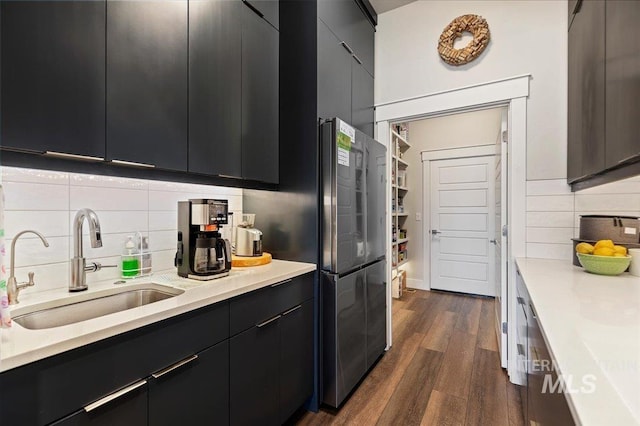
443, 369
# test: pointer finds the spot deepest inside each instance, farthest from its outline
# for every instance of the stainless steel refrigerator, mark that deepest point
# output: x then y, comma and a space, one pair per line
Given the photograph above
353, 287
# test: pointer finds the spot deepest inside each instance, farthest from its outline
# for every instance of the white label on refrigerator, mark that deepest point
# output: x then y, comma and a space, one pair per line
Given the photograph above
343, 157
630, 231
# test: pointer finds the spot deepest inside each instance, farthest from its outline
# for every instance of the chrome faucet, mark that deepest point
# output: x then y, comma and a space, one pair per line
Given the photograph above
79, 266
13, 288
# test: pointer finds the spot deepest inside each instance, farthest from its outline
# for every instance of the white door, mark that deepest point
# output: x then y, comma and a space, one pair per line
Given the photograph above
500, 238
462, 222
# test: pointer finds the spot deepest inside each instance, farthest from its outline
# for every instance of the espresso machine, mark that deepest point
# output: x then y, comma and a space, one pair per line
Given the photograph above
202, 253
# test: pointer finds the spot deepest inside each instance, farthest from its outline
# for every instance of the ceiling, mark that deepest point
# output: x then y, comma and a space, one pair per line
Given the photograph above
382, 6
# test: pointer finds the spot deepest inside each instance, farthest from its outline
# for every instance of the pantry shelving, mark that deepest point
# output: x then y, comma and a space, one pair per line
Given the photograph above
399, 189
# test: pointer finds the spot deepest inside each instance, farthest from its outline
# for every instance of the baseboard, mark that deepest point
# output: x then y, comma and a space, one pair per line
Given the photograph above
417, 284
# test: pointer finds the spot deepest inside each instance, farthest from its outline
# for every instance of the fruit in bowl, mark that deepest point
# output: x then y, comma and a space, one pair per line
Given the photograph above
603, 258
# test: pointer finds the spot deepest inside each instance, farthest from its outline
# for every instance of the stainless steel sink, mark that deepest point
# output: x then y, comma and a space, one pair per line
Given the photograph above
70, 311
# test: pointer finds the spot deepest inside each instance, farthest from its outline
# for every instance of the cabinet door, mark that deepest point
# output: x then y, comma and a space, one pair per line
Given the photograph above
623, 80
334, 76
147, 82
260, 98
129, 409
53, 71
296, 358
268, 9
199, 387
376, 292
254, 371
362, 99
215, 87
586, 146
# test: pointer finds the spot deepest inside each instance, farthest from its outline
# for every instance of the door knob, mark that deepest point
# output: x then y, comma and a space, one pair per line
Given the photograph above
435, 232
493, 241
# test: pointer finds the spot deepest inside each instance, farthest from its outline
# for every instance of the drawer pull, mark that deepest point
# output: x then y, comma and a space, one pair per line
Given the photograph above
230, 176
72, 156
269, 321
533, 312
357, 59
281, 282
133, 164
115, 395
520, 300
347, 47
170, 368
295, 308
520, 349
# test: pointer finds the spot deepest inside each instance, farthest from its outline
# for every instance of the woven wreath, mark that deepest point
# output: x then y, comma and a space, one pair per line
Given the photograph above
474, 24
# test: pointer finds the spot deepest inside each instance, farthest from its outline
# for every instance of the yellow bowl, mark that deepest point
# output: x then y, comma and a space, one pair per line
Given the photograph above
604, 265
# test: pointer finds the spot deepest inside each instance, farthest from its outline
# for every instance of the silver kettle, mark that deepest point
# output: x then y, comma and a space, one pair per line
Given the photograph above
248, 242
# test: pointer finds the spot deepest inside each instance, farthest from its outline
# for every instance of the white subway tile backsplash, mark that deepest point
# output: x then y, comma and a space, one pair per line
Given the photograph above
47, 202
550, 235
608, 202
35, 196
550, 219
548, 187
550, 251
48, 223
550, 203
108, 198
14, 174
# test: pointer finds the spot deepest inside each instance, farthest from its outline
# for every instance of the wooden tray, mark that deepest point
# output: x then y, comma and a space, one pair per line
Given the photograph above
242, 261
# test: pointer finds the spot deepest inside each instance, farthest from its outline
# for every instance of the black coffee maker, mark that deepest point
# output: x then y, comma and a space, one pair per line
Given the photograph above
202, 253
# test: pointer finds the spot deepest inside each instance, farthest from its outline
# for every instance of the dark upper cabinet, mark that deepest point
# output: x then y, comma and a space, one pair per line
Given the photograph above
147, 82
362, 99
198, 386
268, 9
334, 76
215, 83
296, 358
586, 119
349, 23
622, 80
53, 72
260, 98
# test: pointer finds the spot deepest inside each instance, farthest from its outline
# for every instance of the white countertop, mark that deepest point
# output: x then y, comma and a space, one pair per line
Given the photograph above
591, 324
20, 346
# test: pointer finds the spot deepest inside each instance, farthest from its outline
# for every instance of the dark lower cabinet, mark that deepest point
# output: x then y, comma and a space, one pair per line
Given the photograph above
53, 72
260, 98
586, 119
215, 37
622, 81
254, 366
147, 82
194, 391
129, 409
296, 358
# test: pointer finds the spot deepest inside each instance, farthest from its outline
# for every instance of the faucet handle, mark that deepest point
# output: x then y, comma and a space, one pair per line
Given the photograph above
30, 283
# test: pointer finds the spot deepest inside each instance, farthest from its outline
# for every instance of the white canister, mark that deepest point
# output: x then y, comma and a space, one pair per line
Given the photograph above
634, 269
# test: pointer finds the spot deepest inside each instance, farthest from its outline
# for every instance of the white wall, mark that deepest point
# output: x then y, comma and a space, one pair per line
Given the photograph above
526, 37
46, 201
451, 131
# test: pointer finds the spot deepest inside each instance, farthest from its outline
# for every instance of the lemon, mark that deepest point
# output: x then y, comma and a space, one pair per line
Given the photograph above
585, 248
604, 251
604, 243
620, 249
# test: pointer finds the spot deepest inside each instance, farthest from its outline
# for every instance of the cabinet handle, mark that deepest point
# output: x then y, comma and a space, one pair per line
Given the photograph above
520, 349
347, 47
133, 164
269, 321
520, 300
252, 7
357, 59
72, 156
230, 176
295, 308
115, 395
631, 157
281, 282
533, 312
170, 368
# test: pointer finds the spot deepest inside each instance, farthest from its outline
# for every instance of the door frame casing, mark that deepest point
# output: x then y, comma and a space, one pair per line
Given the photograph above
427, 157
512, 92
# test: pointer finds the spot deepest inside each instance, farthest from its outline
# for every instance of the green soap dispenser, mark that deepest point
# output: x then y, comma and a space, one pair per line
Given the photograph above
130, 259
